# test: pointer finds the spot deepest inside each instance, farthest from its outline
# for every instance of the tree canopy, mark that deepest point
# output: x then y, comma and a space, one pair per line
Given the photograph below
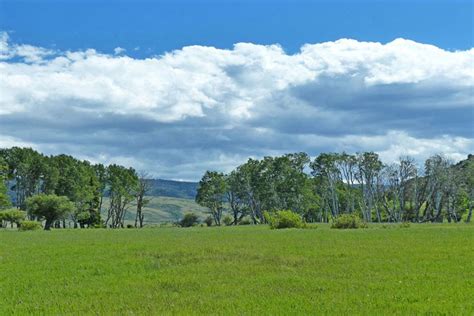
49, 208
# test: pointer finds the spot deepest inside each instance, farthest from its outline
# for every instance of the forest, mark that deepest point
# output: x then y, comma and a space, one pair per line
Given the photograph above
62, 191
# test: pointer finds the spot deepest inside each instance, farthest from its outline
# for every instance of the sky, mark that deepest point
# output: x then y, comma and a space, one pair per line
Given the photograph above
179, 87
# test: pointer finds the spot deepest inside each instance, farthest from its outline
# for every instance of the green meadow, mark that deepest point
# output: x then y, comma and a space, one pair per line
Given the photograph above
423, 269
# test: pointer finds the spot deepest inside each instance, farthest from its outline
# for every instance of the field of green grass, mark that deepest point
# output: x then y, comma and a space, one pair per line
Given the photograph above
239, 270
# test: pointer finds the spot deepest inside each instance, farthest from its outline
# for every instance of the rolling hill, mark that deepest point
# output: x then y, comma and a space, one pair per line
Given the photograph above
170, 188
162, 209
169, 201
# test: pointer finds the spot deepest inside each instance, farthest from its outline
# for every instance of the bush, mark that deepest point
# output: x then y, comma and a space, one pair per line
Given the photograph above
29, 225
228, 220
169, 224
245, 221
348, 221
405, 225
208, 221
284, 219
189, 219
99, 225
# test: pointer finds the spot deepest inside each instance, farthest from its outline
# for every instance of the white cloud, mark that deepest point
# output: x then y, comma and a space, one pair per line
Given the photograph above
28, 53
119, 50
222, 106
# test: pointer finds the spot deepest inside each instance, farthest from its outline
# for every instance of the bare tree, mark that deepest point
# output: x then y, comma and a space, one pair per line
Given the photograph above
144, 187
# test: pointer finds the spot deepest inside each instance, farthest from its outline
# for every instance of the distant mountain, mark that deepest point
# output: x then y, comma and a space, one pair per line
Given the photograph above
170, 188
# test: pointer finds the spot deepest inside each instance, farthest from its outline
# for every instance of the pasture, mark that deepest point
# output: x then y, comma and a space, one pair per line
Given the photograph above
239, 270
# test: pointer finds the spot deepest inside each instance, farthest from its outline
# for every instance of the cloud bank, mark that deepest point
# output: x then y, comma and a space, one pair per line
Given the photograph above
200, 108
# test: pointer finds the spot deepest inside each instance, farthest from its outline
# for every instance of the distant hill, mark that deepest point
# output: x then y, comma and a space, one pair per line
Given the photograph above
162, 209
176, 189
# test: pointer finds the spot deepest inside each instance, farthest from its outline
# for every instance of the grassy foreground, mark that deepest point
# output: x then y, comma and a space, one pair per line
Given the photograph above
239, 270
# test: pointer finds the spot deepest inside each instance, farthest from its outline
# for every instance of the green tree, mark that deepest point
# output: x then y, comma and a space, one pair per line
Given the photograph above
78, 181
26, 167
369, 167
14, 216
49, 208
235, 195
4, 198
211, 193
469, 183
325, 168
123, 184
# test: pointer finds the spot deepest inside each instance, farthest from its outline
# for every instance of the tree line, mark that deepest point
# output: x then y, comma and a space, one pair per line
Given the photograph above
332, 184
62, 189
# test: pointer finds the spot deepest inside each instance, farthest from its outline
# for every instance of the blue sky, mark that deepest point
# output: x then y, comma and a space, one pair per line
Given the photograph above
178, 87
158, 26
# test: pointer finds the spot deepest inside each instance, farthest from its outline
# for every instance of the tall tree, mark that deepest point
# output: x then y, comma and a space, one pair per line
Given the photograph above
469, 185
436, 174
347, 165
368, 175
4, 198
122, 184
78, 181
325, 167
144, 187
395, 186
236, 195
26, 169
102, 177
211, 193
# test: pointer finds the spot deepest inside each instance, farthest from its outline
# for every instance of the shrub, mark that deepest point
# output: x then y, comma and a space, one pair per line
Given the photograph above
405, 225
268, 217
228, 220
169, 224
245, 221
29, 225
99, 225
348, 221
189, 219
208, 221
284, 219
130, 226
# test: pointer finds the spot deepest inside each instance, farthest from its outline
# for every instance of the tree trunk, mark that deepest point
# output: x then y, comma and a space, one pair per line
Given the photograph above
469, 216
47, 224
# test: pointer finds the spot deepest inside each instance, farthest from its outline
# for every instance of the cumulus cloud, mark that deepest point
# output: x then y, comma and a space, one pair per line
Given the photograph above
119, 50
201, 107
26, 53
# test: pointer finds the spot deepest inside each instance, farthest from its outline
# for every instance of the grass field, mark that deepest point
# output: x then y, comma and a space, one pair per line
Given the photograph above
239, 270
